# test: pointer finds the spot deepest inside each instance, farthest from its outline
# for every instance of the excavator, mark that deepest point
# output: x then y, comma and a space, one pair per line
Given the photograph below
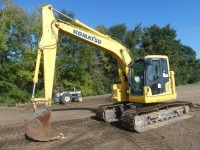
144, 99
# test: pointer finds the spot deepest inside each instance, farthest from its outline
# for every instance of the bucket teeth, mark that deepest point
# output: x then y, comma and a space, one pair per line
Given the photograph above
40, 128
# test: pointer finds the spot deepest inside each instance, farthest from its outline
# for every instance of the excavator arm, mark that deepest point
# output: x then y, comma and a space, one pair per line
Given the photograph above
47, 49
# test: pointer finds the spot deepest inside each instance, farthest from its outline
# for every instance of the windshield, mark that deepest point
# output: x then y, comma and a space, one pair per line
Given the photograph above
137, 77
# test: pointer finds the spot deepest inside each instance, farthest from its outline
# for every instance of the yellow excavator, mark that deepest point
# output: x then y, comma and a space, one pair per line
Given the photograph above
143, 98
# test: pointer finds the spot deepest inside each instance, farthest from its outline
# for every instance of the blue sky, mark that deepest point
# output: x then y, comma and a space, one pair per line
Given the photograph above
182, 15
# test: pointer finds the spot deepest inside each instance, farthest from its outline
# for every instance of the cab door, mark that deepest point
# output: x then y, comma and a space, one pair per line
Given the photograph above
157, 75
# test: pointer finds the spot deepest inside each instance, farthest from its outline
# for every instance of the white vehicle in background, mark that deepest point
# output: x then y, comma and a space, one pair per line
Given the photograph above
66, 97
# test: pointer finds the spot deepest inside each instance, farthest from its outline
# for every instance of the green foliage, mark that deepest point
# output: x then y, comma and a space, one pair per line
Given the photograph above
79, 65
108, 64
17, 52
197, 83
133, 40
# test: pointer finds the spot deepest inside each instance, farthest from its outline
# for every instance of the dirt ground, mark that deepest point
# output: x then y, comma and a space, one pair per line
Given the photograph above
77, 122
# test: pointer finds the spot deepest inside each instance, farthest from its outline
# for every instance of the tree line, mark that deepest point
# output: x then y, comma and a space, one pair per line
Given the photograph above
78, 64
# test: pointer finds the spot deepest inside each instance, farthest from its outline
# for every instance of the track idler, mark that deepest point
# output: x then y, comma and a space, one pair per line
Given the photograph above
39, 127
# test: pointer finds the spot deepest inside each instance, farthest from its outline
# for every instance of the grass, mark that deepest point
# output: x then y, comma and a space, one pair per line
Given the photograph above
197, 83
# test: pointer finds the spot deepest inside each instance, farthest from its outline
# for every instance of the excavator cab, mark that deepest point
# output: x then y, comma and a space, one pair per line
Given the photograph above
150, 80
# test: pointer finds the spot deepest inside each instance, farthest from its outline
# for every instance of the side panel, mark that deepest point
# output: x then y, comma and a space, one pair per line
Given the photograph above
118, 94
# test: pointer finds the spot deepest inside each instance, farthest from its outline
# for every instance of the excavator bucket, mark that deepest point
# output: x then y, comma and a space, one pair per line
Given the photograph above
39, 127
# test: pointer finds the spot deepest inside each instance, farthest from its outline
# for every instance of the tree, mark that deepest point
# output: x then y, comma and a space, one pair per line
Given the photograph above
188, 65
110, 64
133, 41
17, 52
77, 65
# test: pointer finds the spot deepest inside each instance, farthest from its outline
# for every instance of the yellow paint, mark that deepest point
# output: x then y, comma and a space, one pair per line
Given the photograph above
82, 32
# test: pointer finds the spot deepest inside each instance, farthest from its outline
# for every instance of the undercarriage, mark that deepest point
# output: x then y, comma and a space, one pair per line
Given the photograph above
143, 117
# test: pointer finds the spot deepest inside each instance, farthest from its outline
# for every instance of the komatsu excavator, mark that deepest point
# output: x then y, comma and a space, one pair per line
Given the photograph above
143, 98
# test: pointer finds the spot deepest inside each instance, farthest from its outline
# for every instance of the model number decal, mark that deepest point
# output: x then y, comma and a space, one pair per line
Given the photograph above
86, 36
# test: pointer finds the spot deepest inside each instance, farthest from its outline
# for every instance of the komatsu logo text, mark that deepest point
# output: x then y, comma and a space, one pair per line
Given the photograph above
86, 36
